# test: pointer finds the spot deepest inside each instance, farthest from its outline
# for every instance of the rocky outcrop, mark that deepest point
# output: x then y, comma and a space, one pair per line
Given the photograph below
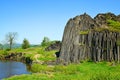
55, 46
101, 19
84, 39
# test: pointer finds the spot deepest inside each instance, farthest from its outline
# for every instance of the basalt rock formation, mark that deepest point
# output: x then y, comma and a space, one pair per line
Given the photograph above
87, 38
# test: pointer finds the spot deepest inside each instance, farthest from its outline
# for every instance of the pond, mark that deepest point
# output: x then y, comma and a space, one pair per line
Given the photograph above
11, 68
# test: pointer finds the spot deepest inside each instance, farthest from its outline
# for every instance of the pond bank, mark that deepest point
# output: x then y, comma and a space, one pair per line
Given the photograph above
19, 57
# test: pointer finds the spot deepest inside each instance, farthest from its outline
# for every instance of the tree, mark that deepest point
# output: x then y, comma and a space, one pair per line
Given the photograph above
45, 41
10, 38
25, 44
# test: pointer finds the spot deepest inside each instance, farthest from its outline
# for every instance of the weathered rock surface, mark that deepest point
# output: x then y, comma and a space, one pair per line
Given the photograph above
55, 46
82, 42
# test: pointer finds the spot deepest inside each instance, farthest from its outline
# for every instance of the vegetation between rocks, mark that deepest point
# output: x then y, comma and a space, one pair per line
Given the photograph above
84, 32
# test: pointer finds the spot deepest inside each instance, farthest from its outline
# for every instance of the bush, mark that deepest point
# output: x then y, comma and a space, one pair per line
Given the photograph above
45, 42
25, 44
8, 49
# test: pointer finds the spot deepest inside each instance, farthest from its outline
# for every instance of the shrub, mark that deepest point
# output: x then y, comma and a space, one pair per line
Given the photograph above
25, 44
45, 42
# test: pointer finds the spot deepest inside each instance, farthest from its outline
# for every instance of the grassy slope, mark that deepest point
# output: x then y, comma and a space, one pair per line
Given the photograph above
32, 52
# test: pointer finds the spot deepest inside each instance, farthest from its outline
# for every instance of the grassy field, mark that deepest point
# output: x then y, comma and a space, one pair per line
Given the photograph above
83, 71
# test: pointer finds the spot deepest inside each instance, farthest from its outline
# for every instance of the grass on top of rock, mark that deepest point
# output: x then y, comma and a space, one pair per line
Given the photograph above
83, 71
113, 26
84, 32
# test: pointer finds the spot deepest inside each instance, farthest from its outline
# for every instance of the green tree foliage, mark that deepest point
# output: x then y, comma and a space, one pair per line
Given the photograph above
10, 38
25, 44
45, 42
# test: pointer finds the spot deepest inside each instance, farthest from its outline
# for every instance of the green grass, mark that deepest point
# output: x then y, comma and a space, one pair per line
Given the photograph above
113, 26
84, 32
83, 71
48, 56
31, 52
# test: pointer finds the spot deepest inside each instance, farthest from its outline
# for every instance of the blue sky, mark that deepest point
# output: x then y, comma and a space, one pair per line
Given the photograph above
34, 19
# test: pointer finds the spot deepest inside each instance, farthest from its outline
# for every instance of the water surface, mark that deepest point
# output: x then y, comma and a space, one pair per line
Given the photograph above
11, 68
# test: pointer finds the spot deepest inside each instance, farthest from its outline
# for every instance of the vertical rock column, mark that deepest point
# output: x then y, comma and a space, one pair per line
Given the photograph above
81, 41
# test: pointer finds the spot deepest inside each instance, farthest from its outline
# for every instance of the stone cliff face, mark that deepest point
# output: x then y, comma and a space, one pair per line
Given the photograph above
89, 39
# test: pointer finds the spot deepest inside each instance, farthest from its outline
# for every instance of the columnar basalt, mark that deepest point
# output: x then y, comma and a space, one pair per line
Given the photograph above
90, 39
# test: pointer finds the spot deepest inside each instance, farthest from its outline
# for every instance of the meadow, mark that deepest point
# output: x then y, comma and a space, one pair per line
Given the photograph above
83, 71
86, 70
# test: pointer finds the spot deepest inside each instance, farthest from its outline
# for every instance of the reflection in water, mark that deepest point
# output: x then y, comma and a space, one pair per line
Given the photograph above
28, 66
11, 68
